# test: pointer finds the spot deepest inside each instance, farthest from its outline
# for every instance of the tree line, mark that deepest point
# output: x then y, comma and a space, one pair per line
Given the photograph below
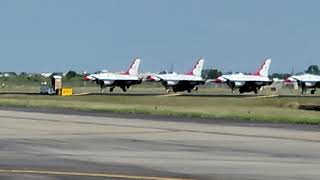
206, 74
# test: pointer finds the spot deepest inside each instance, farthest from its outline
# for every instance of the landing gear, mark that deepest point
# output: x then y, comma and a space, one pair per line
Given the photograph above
168, 89
248, 89
183, 88
124, 89
303, 88
313, 91
101, 83
232, 85
174, 90
111, 89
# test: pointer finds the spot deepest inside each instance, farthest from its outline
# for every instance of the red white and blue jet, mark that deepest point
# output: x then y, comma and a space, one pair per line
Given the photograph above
305, 81
174, 82
123, 80
248, 82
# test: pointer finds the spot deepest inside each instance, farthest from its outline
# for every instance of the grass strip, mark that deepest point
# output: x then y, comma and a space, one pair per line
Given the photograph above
266, 110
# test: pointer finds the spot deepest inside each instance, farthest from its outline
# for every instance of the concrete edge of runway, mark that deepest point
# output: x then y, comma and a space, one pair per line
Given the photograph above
231, 122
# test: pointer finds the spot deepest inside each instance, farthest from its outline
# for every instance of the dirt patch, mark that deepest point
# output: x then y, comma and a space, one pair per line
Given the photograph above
312, 107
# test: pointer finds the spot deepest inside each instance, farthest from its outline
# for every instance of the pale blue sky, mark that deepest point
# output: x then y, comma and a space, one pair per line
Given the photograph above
232, 35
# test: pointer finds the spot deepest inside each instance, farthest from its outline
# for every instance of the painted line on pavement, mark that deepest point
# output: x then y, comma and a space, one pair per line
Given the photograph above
260, 97
169, 95
84, 174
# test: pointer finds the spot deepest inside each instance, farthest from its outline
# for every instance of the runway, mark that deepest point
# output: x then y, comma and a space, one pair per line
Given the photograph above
75, 146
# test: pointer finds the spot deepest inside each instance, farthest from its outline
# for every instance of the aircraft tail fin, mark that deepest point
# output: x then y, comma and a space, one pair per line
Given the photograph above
133, 69
264, 69
197, 69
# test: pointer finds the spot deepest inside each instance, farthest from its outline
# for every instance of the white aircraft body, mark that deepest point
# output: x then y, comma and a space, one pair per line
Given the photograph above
123, 80
181, 82
305, 81
248, 83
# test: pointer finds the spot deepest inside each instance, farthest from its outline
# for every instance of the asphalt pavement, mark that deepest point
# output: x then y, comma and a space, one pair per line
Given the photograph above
78, 146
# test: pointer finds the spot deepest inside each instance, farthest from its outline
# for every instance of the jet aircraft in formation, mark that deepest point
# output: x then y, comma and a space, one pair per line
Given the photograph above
174, 82
123, 80
305, 81
248, 83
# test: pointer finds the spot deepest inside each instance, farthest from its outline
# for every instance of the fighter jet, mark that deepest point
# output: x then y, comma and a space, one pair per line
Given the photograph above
174, 82
248, 83
305, 81
123, 80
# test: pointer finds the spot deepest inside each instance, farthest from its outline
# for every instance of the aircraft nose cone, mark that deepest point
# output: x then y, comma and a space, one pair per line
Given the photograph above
151, 78
288, 80
87, 78
219, 80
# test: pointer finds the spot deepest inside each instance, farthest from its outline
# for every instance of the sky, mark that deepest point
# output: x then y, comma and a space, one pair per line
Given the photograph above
91, 35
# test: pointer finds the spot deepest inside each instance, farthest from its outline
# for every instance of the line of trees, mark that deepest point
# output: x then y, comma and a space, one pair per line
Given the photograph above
210, 73
206, 74
313, 69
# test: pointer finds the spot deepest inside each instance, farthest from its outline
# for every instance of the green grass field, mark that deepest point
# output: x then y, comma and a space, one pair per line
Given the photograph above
145, 88
249, 108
